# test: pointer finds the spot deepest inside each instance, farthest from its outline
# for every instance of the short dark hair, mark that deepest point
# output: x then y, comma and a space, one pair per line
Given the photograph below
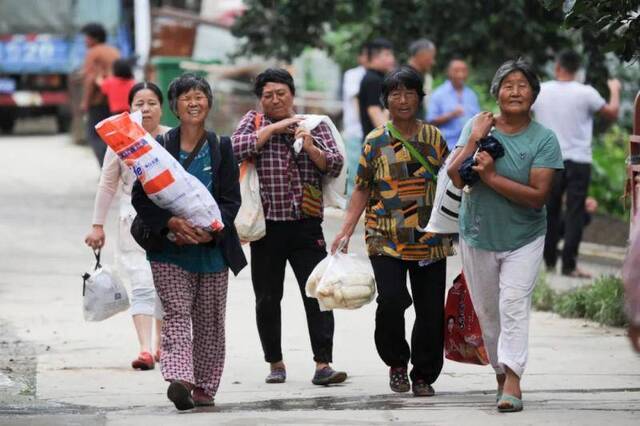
404, 76
419, 45
145, 85
96, 31
511, 66
273, 75
569, 60
377, 45
122, 69
185, 83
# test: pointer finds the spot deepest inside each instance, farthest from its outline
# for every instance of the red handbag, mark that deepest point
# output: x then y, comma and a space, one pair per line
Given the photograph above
462, 335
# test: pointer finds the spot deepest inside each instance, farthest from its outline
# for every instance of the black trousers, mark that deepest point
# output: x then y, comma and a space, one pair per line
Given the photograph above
96, 114
574, 182
302, 244
427, 338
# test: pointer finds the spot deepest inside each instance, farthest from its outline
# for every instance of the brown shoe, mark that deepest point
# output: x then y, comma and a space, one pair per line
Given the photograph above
202, 399
421, 388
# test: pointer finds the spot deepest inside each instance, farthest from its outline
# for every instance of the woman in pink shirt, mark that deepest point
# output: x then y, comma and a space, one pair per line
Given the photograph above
131, 259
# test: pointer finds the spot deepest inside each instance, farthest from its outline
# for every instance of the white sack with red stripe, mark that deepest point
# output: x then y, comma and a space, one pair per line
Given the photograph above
162, 177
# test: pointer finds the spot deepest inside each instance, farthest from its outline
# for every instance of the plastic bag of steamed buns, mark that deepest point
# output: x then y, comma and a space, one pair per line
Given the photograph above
342, 281
164, 180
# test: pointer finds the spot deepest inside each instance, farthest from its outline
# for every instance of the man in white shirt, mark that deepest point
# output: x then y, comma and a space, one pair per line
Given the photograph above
352, 129
567, 107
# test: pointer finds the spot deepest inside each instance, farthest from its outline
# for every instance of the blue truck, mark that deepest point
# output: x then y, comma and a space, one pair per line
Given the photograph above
40, 48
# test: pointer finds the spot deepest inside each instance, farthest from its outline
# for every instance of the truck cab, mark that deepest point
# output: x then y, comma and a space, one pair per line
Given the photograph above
40, 49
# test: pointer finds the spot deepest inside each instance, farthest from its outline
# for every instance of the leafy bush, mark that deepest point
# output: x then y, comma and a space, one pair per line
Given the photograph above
603, 302
609, 170
571, 304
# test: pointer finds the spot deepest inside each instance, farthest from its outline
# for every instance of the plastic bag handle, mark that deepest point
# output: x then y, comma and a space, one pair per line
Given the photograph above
343, 242
86, 276
96, 253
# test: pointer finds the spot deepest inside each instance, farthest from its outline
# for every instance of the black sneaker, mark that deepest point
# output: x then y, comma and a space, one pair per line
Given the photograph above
328, 376
180, 394
422, 388
398, 379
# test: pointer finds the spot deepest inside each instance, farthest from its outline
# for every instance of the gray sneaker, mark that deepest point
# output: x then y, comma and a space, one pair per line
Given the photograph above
277, 375
328, 376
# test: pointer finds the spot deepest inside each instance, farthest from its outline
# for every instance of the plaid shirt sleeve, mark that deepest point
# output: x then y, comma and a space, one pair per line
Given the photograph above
324, 140
245, 137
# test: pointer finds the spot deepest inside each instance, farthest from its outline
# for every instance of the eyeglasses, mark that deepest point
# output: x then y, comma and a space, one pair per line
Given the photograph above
396, 95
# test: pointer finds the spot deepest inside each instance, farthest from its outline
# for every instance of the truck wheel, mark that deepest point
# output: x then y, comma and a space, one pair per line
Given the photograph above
7, 122
63, 121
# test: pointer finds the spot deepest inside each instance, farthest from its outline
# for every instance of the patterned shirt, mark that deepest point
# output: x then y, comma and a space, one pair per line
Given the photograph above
290, 184
402, 193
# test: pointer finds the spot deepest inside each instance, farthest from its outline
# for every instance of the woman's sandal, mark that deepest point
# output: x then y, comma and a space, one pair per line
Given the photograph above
498, 397
509, 404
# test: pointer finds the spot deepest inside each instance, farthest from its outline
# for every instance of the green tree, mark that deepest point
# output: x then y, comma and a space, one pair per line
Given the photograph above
613, 25
485, 32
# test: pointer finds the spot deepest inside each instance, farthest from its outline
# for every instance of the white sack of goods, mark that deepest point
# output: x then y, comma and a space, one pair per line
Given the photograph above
333, 188
342, 281
162, 177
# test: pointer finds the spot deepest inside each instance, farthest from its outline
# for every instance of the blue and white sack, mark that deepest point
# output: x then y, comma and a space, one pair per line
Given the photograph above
103, 294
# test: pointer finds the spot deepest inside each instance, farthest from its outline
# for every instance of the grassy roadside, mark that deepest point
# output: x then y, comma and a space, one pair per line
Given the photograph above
601, 301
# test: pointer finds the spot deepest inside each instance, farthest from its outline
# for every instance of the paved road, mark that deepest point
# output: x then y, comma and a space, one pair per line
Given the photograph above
57, 369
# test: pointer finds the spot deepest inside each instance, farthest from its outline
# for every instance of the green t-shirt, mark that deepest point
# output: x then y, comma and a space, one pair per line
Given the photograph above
492, 222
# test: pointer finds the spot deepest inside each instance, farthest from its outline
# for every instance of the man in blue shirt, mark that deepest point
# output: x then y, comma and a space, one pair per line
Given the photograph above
453, 103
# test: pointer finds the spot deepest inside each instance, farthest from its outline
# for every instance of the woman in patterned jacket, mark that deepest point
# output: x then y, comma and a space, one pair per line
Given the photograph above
396, 183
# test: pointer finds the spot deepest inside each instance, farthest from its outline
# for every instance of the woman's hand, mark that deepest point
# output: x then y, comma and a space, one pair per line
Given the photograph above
288, 125
482, 125
342, 235
184, 233
485, 166
204, 237
307, 139
95, 238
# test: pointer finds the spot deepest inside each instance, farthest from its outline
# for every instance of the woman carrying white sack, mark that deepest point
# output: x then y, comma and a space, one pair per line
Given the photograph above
503, 221
191, 274
131, 259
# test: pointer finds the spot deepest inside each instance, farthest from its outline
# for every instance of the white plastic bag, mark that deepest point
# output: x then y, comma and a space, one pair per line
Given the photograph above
446, 205
103, 294
163, 179
342, 281
250, 222
333, 188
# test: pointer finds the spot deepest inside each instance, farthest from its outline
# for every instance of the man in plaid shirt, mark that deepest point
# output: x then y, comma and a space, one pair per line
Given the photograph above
291, 192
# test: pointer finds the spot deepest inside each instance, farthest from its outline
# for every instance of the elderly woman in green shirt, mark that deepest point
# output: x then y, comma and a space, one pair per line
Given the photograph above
503, 221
